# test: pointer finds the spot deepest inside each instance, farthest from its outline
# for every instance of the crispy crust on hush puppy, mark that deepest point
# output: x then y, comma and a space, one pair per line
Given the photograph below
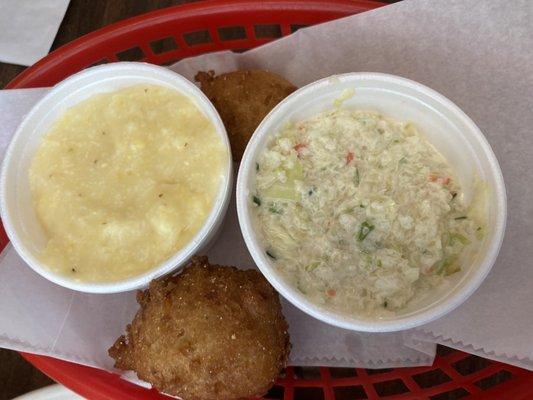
243, 99
211, 332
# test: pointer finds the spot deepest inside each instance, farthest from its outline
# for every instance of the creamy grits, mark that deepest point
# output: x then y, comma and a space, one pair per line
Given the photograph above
123, 180
360, 212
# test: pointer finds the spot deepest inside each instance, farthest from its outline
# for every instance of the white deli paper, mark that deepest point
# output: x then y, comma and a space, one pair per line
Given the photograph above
28, 28
479, 54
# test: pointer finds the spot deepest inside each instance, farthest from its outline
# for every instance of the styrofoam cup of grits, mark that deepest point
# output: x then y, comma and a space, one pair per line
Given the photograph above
452, 133
17, 211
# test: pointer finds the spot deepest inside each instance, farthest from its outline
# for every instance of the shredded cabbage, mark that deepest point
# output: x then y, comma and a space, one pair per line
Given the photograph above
360, 211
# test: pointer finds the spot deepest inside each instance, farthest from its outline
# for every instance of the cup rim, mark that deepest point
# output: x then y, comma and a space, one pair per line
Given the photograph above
354, 322
180, 257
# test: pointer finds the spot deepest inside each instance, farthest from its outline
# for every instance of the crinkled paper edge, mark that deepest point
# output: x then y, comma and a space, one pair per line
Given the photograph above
342, 362
25, 347
429, 336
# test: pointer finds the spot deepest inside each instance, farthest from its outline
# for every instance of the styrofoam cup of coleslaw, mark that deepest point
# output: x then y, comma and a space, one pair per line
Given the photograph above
18, 214
445, 126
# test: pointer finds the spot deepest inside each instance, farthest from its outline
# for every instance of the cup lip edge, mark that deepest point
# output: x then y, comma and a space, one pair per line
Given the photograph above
352, 322
178, 259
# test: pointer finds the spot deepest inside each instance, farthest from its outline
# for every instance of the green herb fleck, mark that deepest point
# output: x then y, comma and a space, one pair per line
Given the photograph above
257, 200
441, 266
312, 266
452, 269
311, 191
361, 206
461, 217
379, 263
274, 209
403, 160
478, 228
271, 255
300, 288
448, 266
364, 230
357, 178
454, 195
385, 304
461, 238
256, 167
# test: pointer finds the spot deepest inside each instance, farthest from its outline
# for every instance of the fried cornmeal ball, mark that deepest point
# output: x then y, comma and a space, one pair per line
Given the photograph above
211, 332
243, 99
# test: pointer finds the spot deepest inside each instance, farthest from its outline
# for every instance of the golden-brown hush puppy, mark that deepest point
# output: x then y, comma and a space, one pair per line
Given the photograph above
243, 99
211, 332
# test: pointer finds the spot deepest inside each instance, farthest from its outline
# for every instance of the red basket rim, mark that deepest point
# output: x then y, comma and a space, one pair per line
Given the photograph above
198, 9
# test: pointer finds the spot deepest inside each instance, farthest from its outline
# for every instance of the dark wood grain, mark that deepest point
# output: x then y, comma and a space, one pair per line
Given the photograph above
17, 376
84, 16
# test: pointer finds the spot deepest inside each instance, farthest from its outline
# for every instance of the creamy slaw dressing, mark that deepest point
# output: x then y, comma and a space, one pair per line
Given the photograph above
360, 212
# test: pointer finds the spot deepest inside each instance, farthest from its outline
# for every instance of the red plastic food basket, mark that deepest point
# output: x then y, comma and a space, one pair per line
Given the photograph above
165, 36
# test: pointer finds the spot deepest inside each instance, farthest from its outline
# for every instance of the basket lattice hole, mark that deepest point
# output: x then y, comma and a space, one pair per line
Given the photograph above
431, 378
452, 394
99, 62
267, 31
163, 45
470, 364
342, 372
197, 37
232, 33
307, 373
388, 388
349, 393
494, 379
378, 371
443, 351
132, 54
294, 28
275, 393
308, 393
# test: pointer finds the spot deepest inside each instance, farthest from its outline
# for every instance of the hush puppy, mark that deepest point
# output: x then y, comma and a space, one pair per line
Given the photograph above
211, 332
243, 99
